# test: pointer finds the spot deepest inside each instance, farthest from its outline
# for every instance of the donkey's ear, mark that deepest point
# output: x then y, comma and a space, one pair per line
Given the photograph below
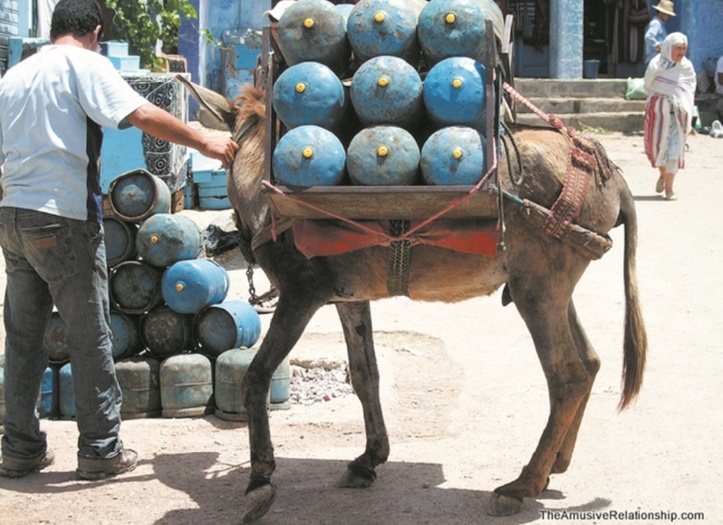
217, 112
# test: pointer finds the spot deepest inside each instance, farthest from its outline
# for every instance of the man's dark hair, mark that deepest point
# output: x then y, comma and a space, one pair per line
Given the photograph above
75, 17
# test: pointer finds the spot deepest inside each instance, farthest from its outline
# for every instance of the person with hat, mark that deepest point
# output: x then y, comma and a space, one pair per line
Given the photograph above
670, 84
655, 31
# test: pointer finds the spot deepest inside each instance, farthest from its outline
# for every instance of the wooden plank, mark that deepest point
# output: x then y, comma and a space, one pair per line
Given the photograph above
378, 202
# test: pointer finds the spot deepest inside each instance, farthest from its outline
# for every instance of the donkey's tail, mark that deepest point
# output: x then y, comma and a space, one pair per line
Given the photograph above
635, 345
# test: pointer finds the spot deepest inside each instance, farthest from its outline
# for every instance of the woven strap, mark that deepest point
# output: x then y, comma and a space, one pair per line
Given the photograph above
566, 210
398, 276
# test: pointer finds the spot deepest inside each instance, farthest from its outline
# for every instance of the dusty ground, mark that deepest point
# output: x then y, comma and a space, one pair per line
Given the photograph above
465, 402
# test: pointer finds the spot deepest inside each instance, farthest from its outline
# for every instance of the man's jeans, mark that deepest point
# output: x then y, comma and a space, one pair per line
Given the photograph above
53, 260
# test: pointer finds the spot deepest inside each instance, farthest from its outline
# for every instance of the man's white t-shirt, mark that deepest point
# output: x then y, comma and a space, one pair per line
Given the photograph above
52, 107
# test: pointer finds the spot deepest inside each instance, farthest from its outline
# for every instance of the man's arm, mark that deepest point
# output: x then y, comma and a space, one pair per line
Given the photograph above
161, 124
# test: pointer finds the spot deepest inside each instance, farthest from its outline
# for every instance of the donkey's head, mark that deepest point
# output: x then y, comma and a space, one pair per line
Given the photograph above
245, 119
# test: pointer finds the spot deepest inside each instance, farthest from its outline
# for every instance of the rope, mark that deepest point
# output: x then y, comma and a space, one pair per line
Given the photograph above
551, 119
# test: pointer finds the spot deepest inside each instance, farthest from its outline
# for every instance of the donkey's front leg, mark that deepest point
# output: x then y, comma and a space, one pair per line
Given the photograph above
356, 322
292, 314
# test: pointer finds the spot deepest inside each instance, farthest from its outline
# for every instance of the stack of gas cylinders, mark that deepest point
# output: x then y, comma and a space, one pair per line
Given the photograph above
384, 93
172, 325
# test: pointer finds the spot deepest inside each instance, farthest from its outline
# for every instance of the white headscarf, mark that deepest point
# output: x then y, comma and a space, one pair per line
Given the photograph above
675, 79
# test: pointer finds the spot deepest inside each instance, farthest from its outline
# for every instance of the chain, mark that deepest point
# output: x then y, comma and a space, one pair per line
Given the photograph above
253, 298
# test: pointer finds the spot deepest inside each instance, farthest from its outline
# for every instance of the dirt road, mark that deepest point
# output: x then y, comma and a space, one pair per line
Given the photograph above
465, 402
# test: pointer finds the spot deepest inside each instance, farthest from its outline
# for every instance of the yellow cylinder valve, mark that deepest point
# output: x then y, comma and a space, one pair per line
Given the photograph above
307, 153
457, 83
383, 81
382, 151
180, 287
309, 23
154, 239
450, 18
379, 17
457, 153
300, 87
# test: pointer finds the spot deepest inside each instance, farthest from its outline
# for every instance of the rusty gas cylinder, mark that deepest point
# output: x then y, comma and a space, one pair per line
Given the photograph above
186, 385
313, 31
383, 156
383, 27
166, 332
453, 156
387, 90
455, 28
139, 380
166, 238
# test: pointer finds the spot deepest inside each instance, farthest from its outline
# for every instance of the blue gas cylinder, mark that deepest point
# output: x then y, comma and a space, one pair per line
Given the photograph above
120, 240
313, 31
231, 324
135, 287
186, 385
453, 28
166, 238
139, 380
138, 194
344, 10
383, 156
190, 286
166, 332
66, 392
454, 93
126, 337
49, 405
453, 156
387, 90
309, 156
383, 27
55, 340
231, 368
309, 94
280, 391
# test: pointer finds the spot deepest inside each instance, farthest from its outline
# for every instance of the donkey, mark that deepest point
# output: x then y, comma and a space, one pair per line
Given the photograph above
539, 273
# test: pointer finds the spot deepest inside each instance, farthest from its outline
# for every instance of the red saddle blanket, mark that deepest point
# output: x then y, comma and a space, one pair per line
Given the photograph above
334, 237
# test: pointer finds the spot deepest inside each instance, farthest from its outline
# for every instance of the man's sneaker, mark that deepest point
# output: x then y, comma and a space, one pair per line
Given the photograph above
93, 469
12, 467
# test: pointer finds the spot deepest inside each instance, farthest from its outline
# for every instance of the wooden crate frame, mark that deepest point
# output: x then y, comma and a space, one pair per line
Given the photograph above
380, 202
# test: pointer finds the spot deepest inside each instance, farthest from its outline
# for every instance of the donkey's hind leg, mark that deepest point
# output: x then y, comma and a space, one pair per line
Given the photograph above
543, 304
357, 325
590, 359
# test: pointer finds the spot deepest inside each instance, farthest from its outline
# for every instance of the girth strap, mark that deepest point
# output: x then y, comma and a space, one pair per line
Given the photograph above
398, 276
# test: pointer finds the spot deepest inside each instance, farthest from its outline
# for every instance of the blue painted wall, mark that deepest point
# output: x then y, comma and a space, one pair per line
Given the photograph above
702, 22
566, 31
216, 16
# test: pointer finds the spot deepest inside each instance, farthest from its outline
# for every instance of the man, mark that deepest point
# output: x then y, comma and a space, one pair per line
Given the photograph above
719, 76
655, 32
52, 107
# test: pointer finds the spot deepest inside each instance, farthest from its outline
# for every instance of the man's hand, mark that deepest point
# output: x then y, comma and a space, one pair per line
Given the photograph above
220, 148
161, 124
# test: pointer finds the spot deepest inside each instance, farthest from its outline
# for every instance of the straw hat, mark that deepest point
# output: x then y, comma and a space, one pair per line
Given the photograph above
665, 6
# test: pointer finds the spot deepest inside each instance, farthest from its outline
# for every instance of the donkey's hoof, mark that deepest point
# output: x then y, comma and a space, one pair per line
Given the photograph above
258, 502
356, 477
501, 505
